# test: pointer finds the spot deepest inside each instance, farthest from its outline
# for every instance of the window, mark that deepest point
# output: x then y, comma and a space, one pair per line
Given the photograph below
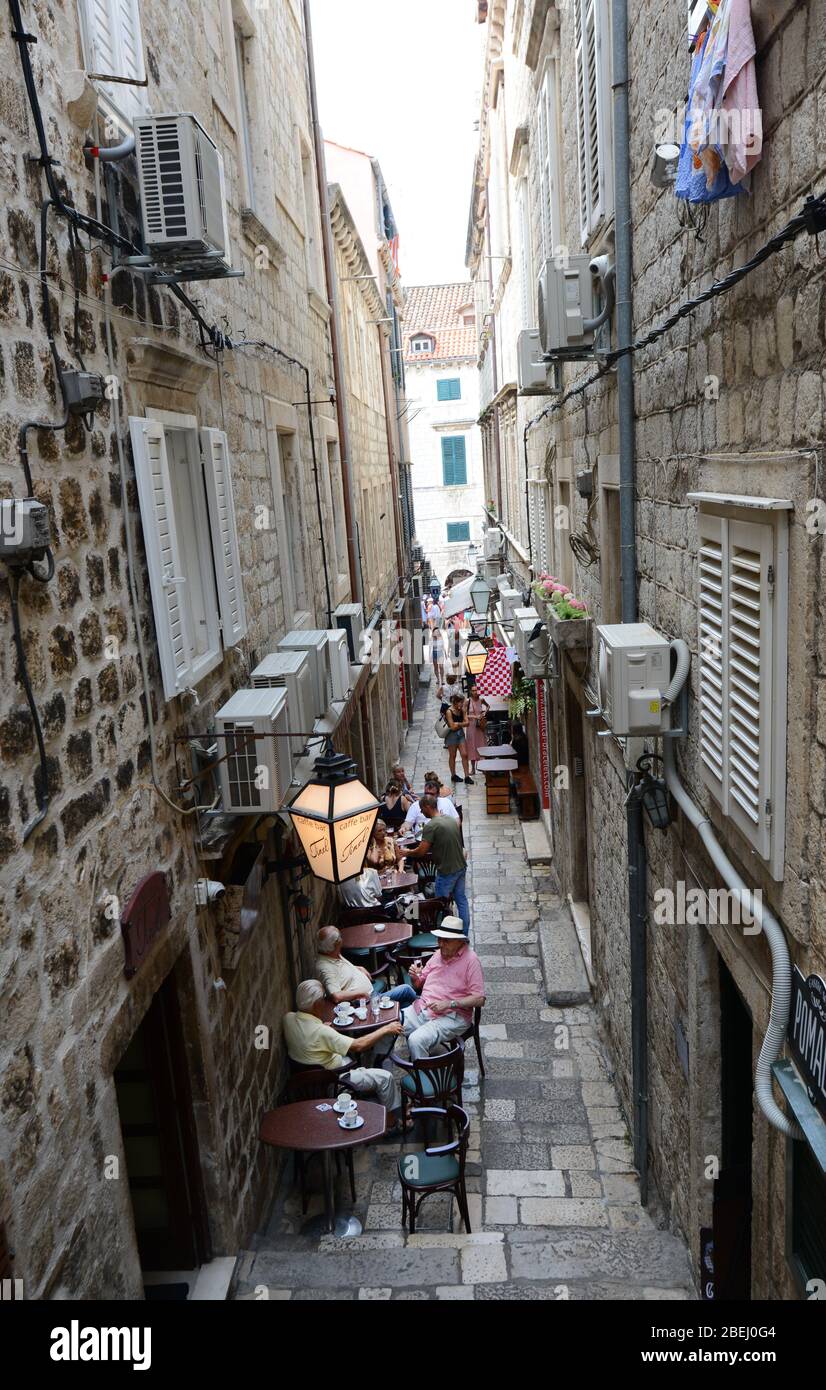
184, 481
454, 461
421, 343
312, 242
742, 682
539, 504
564, 556
549, 174
337, 508
458, 531
449, 389
610, 553
525, 252
113, 48
244, 115
286, 490
593, 95
807, 1225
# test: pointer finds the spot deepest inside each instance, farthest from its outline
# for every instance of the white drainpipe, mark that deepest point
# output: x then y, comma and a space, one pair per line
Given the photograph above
768, 923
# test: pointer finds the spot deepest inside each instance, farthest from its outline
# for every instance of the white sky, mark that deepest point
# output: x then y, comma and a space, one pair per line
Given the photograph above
400, 79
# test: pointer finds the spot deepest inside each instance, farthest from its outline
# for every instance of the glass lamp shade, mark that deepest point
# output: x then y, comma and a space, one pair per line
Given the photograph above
480, 592
655, 801
476, 655
334, 820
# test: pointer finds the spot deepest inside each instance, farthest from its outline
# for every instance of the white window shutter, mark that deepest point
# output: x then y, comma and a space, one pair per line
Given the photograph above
749, 731
712, 619
166, 576
591, 41
113, 47
225, 548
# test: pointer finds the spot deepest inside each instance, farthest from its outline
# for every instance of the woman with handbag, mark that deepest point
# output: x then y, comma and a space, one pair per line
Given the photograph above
477, 711
456, 721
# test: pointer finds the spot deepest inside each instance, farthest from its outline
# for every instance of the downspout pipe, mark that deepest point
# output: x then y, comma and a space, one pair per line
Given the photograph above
345, 452
766, 921
637, 860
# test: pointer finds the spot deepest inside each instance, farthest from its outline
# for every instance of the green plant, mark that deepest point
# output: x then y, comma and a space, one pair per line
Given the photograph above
522, 699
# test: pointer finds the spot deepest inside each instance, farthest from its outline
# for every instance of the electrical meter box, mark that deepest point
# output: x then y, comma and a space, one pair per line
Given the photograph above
634, 671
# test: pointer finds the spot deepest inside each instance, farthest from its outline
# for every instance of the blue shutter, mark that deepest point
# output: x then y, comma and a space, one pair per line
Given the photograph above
454, 461
449, 390
458, 531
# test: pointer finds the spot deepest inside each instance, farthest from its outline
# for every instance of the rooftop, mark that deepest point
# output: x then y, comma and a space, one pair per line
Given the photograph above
440, 310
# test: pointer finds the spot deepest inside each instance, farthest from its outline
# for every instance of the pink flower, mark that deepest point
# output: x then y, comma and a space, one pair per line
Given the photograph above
549, 588
561, 589
578, 605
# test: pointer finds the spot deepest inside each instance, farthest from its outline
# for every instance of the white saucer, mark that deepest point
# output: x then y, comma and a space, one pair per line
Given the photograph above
357, 1125
339, 1110
386, 1004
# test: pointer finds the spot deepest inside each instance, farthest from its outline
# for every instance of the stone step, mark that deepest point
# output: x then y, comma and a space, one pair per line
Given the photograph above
563, 969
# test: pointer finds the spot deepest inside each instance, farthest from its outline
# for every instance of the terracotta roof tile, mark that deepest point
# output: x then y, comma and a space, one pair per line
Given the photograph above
436, 309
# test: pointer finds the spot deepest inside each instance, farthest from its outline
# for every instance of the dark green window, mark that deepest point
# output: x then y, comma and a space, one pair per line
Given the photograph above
808, 1213
450, 390
458, 531
454, 461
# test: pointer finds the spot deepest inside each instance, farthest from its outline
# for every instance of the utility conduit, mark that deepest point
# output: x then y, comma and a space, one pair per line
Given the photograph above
768, 923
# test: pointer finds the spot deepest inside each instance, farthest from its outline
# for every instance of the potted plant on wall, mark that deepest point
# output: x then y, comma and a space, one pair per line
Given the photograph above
522, 698
568, 617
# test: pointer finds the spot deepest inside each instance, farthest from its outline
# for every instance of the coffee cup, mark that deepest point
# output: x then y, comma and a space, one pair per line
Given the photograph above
351, 1118
345, 1101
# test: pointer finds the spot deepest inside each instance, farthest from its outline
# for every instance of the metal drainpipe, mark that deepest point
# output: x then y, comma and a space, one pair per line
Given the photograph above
335, 326
492, 349
637, 862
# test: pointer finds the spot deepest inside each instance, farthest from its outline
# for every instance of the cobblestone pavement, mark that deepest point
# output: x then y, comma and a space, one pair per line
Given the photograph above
554, 1201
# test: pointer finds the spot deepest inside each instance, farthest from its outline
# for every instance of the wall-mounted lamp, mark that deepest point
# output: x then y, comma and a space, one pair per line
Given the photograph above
476, 656
653, 793
664, 168
333, 816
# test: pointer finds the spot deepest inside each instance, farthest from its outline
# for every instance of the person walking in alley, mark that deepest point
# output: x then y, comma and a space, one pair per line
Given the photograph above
457, 722
312, 1043
452, 985
477, 710
442, 839
437, 653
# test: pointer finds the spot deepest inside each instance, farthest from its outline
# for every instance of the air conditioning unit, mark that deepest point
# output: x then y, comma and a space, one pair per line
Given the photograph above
531, 371
535, 657
349, 617
417, 552
338, 657
182, 197
290, 671
489, 570
416, 586
520, 613
567, 308
493, 542
313, 641
509, 599
255, 771
634, 669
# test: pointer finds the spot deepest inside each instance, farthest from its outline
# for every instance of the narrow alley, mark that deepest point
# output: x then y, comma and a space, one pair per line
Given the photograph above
554, 1201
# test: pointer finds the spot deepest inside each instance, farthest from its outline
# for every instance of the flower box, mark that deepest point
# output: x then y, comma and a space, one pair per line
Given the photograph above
568, 633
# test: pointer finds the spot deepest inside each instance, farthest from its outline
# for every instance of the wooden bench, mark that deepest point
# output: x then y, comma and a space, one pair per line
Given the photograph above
527, 796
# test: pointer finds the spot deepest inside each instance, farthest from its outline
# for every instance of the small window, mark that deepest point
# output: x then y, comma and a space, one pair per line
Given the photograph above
113, 48
458, 531
421, 343
610, 554
449, 390
454, 461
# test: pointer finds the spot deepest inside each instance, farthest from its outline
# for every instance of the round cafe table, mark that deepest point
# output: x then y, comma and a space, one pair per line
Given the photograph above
304, 1127
498, 765
497, 750
397, 881
364, 937
359, 1026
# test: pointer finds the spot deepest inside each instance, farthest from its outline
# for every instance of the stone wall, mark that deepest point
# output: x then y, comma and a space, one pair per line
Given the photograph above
68, 1011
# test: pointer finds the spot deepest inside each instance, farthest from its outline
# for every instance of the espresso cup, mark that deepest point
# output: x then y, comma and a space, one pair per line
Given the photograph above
346, 1101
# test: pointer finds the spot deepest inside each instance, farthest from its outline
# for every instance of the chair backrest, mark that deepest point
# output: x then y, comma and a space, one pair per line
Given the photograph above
445, 1073
357, 916
459, 1126
312, 1083
431, 912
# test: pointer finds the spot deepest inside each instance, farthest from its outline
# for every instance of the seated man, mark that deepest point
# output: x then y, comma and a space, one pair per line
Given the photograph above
381, 852
433, 786
313, 1043
344, 981
452, 986
365, 891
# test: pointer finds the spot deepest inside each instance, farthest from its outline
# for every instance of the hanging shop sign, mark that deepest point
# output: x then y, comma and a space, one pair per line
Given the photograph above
145, 916
807, 1035
544, 758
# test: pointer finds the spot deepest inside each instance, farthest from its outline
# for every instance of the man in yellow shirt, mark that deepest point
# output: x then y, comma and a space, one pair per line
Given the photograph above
310, 1042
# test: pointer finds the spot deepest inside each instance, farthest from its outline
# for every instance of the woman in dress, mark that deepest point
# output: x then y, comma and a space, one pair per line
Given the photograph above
437, 653
456, 721
477, 710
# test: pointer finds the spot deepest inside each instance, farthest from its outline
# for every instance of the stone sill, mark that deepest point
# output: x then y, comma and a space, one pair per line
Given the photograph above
259, 235
319, 304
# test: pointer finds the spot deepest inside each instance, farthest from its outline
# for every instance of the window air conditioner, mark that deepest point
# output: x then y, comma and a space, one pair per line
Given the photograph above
509, 599
313, 641
293, 672
183, 202
254, 772
534, 656
492, 542
531, 371
567, 306
338, 657
634, 669
349, 617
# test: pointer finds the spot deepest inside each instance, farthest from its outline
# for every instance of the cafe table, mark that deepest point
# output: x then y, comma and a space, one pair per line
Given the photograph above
397, 881
497, 750
304, 1127
364, 937
359, 1026
497, 765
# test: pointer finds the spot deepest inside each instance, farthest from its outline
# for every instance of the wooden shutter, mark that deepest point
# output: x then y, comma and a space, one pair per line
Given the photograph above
591, 57
113, 48
736, 603
549, 215
163, 558
454, 461
224, 535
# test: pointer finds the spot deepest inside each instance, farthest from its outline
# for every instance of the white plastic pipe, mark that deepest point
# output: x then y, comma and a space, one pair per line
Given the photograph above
768, 923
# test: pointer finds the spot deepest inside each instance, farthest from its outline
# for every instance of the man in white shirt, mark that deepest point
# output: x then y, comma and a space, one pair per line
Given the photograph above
365, 892
343, 980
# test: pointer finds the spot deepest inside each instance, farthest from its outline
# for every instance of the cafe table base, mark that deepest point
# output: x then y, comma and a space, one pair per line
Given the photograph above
332, 1222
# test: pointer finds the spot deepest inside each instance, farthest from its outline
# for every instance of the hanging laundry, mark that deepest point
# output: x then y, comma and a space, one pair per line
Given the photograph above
722, 135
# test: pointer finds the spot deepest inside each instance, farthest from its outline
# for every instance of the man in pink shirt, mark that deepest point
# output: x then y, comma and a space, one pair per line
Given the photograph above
452, 986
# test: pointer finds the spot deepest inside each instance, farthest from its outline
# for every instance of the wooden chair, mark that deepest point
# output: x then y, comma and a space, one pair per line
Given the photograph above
357, 916
431, 912
440, 1168
432, 1080
526, 793
472, 1031
316, 1083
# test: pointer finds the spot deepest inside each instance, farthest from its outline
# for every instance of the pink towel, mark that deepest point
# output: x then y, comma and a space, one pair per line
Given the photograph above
743, 119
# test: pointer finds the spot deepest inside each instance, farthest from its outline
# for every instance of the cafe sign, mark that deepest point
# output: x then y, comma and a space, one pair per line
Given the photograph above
807, 1035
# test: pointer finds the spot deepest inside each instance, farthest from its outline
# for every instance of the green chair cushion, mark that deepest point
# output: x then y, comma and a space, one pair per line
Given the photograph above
430, 1169
409, 1085
422, 941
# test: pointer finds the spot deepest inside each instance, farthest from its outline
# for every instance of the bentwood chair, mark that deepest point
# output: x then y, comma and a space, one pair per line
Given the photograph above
440, 1168
431, 912
473, 1032
432, 1080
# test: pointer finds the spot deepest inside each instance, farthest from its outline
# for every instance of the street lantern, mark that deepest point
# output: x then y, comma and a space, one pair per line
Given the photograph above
653, 793
478, 624
333, 816
476, 655
480, 593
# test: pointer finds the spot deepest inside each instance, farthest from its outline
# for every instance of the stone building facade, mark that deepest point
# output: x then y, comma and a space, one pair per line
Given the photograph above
445, 445
90, 1056
728, 411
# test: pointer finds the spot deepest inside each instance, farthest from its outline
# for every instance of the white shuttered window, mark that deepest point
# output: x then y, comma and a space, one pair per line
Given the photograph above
548, 149
113, 53
742, 726
593, 88
191, 544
